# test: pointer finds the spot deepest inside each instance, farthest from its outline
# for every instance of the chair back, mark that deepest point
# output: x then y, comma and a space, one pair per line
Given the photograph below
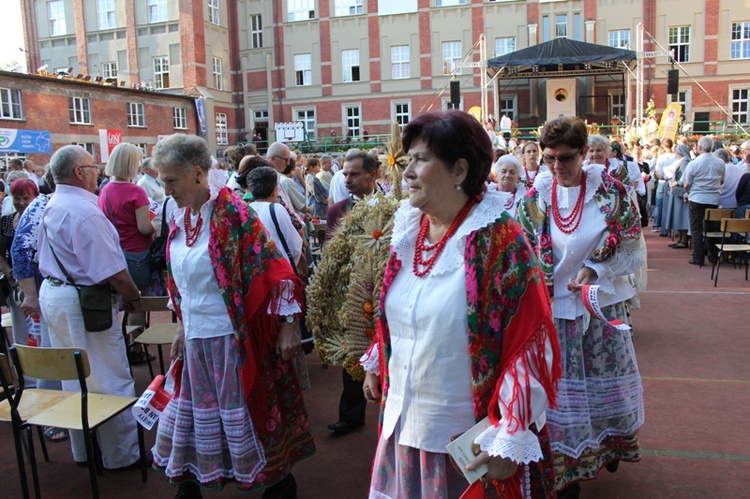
50, 363
716, 214
732, 225
6, 377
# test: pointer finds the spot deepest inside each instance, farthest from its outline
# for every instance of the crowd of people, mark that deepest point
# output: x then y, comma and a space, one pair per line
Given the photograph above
481, 312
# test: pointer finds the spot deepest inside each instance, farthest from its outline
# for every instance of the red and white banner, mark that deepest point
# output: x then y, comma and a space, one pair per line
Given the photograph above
108, 139
591, 302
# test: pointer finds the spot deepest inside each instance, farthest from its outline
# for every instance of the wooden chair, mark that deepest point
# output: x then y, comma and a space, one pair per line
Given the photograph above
82, 410
713, 215
156, 334
730, 226
17, 410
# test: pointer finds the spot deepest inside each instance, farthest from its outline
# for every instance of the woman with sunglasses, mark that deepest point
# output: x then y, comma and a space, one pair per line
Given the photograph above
585, 230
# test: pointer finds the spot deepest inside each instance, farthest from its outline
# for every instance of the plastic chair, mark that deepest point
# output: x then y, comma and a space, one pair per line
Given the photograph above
17, 411
156, 334
714, 215
82, 410
730, 226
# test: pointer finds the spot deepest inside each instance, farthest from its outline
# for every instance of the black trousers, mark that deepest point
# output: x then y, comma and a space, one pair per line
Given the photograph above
697, 211
353, 403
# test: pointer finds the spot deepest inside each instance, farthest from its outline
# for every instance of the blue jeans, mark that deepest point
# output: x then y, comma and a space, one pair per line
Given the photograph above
658, 204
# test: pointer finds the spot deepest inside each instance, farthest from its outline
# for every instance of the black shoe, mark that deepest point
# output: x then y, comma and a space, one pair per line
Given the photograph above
345, 426
612, 467
137, 464
188, 490
285, 489
570, 492
693, 261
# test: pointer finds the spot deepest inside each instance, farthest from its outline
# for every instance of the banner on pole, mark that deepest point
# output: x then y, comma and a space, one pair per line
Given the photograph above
669, 121
108, 139
25, 141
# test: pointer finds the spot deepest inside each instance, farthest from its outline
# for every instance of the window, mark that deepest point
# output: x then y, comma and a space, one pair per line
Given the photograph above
261, 115
577, 33
105, 10
161, 72
619, 39
256, 32
213, 12
136, 115
109, 70
80, 110
222, 137
400, 62
10, 104
56, 11
348, 7
179, 118
618, 107
739, 105
545, 28
679, 41
740, 48
508, 107
505, 45
561, 26
88, 146
401, 113
303, 69
350, 65
218, 77
157, 11
451, 58
447, 3
352, 117
143, 148
307, 118
300, 10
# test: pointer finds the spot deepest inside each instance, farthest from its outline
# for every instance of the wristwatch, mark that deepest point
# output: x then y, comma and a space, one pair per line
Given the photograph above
289, 319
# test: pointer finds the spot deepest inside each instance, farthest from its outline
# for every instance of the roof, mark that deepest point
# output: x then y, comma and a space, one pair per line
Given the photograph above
562, 57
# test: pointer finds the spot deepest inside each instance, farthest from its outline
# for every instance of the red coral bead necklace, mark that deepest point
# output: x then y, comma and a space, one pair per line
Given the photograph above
569, 224
192, 233
422, 247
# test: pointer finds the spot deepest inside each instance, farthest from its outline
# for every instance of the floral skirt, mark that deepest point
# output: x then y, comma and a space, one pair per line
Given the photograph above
600, 398
205, 434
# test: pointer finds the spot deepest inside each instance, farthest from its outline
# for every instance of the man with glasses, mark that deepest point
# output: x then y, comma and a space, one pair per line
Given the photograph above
86, 244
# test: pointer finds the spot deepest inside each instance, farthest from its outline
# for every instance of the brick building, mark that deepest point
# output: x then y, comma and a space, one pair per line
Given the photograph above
75, 111
349, 66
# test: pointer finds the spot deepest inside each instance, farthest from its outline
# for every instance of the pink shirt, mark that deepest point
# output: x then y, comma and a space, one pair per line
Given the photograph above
118, 201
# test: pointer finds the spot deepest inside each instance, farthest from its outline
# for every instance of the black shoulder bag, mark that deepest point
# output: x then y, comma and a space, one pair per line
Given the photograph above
158, 248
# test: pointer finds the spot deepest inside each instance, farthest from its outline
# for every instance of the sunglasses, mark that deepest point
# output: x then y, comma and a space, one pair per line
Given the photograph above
564, 160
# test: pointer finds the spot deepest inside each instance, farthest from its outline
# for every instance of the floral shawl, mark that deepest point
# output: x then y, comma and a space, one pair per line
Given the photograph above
249, 269
617, 208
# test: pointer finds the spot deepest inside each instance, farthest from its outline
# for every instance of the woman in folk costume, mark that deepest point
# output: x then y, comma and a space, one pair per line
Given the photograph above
586, 230
237, 414
465, 328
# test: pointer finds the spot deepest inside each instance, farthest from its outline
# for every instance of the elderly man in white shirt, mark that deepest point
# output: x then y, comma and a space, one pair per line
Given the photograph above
88, 247
150, 182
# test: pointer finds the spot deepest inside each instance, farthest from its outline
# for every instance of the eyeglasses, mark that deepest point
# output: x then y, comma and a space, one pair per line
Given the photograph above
285, 160
564, 160
86, 166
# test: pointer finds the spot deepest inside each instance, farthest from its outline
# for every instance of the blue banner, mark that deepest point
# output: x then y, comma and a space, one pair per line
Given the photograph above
201, 116
25, 141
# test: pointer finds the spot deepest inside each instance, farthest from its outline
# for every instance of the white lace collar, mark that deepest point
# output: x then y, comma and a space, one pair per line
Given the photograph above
216, 182
543, 183
407, 220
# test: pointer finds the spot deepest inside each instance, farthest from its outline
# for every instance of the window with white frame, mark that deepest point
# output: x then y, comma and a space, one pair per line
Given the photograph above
350, 65
400, 62
256, 31
179, 118
740, 45
740, 105
213, 12
88, 146
348, 7
161, 72
79, 110
508, 107
353, 117
505, 45
109, 70
222, 135
619, 39
303, 69
561, 26
261, 115
300, 10
157, 11
307, 118
679, 42
105, 12
451, 58
56, 12
448, 3
680, 98
136, 114
218, 74
401, 113
10, 104
143, 147
618, 106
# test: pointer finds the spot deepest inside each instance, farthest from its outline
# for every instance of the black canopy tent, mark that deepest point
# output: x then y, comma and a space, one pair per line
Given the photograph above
562, 58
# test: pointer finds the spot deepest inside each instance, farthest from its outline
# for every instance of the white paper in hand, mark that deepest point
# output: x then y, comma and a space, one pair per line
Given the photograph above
464, 450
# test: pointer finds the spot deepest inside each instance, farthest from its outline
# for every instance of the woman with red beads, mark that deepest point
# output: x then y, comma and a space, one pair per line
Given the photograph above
465, 328
586, 230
